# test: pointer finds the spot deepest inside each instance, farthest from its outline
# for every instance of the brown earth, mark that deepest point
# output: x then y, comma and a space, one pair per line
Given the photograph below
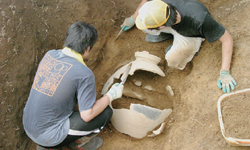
30, 28
236, 107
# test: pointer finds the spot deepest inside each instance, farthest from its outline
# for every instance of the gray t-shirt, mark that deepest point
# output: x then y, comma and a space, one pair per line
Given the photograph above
60, 82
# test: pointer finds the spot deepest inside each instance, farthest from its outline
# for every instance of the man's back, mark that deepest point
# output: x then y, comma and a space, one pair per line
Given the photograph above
58, 84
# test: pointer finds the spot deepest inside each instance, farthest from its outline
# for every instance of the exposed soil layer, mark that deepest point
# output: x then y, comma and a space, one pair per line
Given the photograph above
235, 114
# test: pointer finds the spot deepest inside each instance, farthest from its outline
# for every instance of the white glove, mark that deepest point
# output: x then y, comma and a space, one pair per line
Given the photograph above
128, 23
115, 92
226, 81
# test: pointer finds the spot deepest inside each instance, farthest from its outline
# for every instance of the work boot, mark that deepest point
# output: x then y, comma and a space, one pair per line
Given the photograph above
158, 38
168, 48
42, 148
93, 144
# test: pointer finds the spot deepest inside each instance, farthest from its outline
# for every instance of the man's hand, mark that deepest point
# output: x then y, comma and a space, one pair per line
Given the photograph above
115, 92
226, 81
128, 23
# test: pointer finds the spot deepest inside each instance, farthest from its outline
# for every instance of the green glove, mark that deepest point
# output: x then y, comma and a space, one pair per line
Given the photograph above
128, 23
115, 92
226, 81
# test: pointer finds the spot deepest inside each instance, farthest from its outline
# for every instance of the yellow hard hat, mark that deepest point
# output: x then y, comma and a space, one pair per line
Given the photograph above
152, 15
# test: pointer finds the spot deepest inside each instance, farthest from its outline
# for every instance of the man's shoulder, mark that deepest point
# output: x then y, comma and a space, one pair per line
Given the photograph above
192, 9
187, 4
74, 66
80, 69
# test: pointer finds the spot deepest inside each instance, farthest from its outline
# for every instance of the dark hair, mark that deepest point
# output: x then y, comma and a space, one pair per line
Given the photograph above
79, 36
172, 17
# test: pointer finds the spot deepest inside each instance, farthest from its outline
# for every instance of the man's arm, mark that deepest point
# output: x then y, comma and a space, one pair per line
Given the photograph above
98, 107
130, 21
226, 82
114, 92
137, 10
227, 50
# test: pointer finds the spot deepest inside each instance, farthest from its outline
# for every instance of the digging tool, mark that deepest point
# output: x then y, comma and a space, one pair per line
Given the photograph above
121, 31
125, 74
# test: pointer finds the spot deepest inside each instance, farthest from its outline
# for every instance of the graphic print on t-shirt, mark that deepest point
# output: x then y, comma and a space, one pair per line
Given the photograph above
49, 75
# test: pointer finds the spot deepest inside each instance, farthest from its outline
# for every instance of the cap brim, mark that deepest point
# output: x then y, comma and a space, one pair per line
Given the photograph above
139, 24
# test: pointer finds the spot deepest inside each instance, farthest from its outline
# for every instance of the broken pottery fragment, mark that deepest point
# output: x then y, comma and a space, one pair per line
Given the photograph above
139, 120
148, 87
170, 90
143, 61
137, 83
158, 131
134, 92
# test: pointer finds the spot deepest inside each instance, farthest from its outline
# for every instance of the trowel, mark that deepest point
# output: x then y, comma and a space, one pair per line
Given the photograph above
125, 74
121, 31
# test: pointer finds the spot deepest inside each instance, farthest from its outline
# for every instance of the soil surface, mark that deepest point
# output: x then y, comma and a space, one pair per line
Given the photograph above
236, 107
29, 28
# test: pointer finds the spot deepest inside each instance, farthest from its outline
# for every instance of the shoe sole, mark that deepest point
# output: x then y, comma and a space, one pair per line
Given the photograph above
93, 144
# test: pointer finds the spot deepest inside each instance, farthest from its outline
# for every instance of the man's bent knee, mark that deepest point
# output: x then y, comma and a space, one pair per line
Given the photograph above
108, 112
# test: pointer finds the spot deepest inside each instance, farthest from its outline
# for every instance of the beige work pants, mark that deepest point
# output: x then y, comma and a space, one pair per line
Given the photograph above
182, 50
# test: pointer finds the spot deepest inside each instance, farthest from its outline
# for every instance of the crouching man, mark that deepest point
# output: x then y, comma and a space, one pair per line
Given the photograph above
63, 80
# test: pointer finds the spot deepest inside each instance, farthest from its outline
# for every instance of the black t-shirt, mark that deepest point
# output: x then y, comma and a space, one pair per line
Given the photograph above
196, 20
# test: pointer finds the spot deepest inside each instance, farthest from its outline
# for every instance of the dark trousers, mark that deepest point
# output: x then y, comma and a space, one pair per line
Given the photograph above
76, 123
